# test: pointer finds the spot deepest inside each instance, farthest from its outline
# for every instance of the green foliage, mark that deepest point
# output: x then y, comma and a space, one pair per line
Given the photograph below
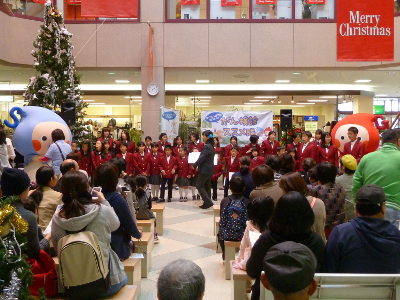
184, 131
135, 135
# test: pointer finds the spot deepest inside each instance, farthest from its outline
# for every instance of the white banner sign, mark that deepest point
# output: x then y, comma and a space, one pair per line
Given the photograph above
169, 122
241, 124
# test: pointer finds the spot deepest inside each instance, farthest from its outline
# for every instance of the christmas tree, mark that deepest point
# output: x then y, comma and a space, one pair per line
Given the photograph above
57, 81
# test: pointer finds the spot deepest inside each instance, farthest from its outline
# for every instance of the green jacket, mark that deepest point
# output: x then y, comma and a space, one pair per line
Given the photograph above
381, 168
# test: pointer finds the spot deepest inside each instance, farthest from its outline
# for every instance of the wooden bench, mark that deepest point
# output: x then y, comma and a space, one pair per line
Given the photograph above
218, 247
128, 292
159, 210
146, 225
145, 246
230, 249
239, 279
352, 286
216, 209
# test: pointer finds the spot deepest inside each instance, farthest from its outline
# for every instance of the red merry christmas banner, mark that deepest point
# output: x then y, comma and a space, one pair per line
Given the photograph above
190, 2
365, 30
315, 1
231, 2
266, 2
110, 9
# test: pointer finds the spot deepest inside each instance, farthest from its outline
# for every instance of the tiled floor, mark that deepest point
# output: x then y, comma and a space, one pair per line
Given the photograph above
188, 234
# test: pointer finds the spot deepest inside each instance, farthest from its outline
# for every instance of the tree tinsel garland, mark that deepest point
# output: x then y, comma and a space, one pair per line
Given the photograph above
57, 81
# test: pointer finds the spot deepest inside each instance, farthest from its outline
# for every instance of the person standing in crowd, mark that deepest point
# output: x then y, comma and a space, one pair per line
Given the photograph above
246, 150
347, 166
280, 150
217, 174
10, 148
295, 143
256, 159
74, 147
217, 147
184, 174
4, 153
58, 151
98, 155
205, 165
128, 156
195, 143
85, 160
155, 178
308, 164
327, 151
355, 147
106, 135
168, 170
383, 168
332, 194
108, 155
131, 148
148, 141
176, 146
245, 173
270, 146
263, 178
274, 162
319, 139
291, 220
367, 244
233, 142
232, 166
307, 149
286, 164
106, 176
293, 153
141, 161
162, 142
15, 182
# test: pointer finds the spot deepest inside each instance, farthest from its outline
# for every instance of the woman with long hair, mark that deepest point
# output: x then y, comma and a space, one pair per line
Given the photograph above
85, 160
80, 212
176, 146
327, 151
98, 155
245, 173
106, 135
45, 197
125, 138
291, 220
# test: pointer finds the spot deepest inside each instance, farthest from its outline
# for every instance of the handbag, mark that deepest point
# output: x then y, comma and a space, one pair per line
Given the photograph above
44, 275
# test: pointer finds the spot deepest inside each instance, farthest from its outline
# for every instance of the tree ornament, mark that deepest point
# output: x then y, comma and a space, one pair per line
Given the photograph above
11, 292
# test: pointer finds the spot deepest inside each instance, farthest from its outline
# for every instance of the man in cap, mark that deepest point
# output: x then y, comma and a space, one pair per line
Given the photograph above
368, 243
289, 270
347, 166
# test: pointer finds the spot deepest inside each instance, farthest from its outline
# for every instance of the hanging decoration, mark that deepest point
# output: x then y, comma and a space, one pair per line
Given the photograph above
265, 1
190, 2
231, 3
315, 1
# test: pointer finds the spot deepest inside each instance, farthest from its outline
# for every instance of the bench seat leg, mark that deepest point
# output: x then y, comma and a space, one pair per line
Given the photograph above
160, 223
229, 256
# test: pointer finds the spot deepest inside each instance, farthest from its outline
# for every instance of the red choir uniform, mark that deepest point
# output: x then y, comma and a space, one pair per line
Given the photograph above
85, 163
219, 150
198, 146
108, 156
147, 150
292, 145
141, 164
269, 149
309, 151
154, 163
131, 147
247, 148
228, 150
161, 147
256, 161
129, 162
184, 169
214, 179
331, 155
110, 140
231, 166
168, 177
357, 152
97, 160
175, 151
317, 142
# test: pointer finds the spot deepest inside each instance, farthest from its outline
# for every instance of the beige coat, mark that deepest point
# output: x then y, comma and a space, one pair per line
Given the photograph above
320, 217
271, 189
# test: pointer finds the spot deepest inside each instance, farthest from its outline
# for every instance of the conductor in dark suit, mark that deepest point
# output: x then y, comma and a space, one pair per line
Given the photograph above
205, 163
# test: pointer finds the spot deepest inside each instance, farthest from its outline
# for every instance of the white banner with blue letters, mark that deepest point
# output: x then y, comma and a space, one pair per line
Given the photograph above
169, 122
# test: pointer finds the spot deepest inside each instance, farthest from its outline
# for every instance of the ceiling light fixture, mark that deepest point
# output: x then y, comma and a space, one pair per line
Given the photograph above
320, 100
292, 99
121, 81
252, 103
89, 100
305, 103
362, 80
133, 97
111, 73
265, 97
381, 95
272, 101
97, 104
330, 97
136, 100
282, 81
296, 73
279, 101
259, 100
203, 97
202, 81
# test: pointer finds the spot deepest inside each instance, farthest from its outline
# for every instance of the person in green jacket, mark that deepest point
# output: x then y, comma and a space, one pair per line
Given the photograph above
383, 168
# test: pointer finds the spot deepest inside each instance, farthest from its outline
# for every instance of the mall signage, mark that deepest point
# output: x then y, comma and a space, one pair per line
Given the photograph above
110, 9
310, 118
315, 1
231, 2
266, 2
365, 30
190, 2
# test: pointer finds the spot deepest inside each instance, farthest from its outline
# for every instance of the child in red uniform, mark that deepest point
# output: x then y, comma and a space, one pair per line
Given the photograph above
148, 140
123, 152
256, 159
155, 178
281, 150
107, 151
141, 161
162, 142
85, 160
168, 169
293, 153
232, 166
217, 148
246, 150
228, 148
105, 135
184, 174
177, 145
217, 174
125, 138
98, 155
195, 143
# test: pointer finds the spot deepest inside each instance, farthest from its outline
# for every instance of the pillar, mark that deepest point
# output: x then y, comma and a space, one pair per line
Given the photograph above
152, 11
363, 104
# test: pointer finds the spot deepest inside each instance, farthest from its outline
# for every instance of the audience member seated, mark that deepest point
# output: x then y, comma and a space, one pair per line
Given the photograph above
291, 220
294, 182
45, 197
181, 280
332, 195
274, 162
15, 182
347, 166
367, 244
287, 164
307, 165
245, 173
235, 203
80, 213
66, 166
289, 270
263, 178
76, 157
106, 176
312, 177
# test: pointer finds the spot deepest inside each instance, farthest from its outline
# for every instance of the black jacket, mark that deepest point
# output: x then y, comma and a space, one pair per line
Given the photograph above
206, 160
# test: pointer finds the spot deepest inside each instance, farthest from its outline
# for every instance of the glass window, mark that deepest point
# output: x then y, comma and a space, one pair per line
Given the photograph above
325, 9
388, 105
229, 9
22, 7
187, 9
395, 105
348, 106
379, 102
282, 9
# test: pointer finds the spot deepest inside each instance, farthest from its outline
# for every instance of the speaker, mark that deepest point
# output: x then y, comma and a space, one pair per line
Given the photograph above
68, 113
286, 119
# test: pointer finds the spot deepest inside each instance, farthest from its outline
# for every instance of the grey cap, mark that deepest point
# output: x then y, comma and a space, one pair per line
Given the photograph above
371, 193
289, 267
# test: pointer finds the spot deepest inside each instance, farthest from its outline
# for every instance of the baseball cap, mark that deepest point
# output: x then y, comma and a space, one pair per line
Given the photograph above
289, 267
371, 193
349, 162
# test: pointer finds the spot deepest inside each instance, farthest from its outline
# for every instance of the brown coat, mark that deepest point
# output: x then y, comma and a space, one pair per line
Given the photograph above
320, 217
271, 189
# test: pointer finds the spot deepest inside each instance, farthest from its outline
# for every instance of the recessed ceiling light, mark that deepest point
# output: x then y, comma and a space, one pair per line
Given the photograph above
252, 103
292, 101
320, 100
362, 80
89, 100
259, 100
381, 95
330, 97
282, 81
203, 81
133, 97
111, 73
121, 81
307, 103
202, 97
296, 73
265, 97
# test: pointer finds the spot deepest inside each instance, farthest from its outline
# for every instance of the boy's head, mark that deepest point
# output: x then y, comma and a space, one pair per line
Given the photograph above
168, 150
308, 163
254, 139
272, 135
234, 151
348, 164
306, 137
237, 185
274, 162
123, 146
352, 133
254, 152
296, 138
281, 150
154, 147
182, 151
